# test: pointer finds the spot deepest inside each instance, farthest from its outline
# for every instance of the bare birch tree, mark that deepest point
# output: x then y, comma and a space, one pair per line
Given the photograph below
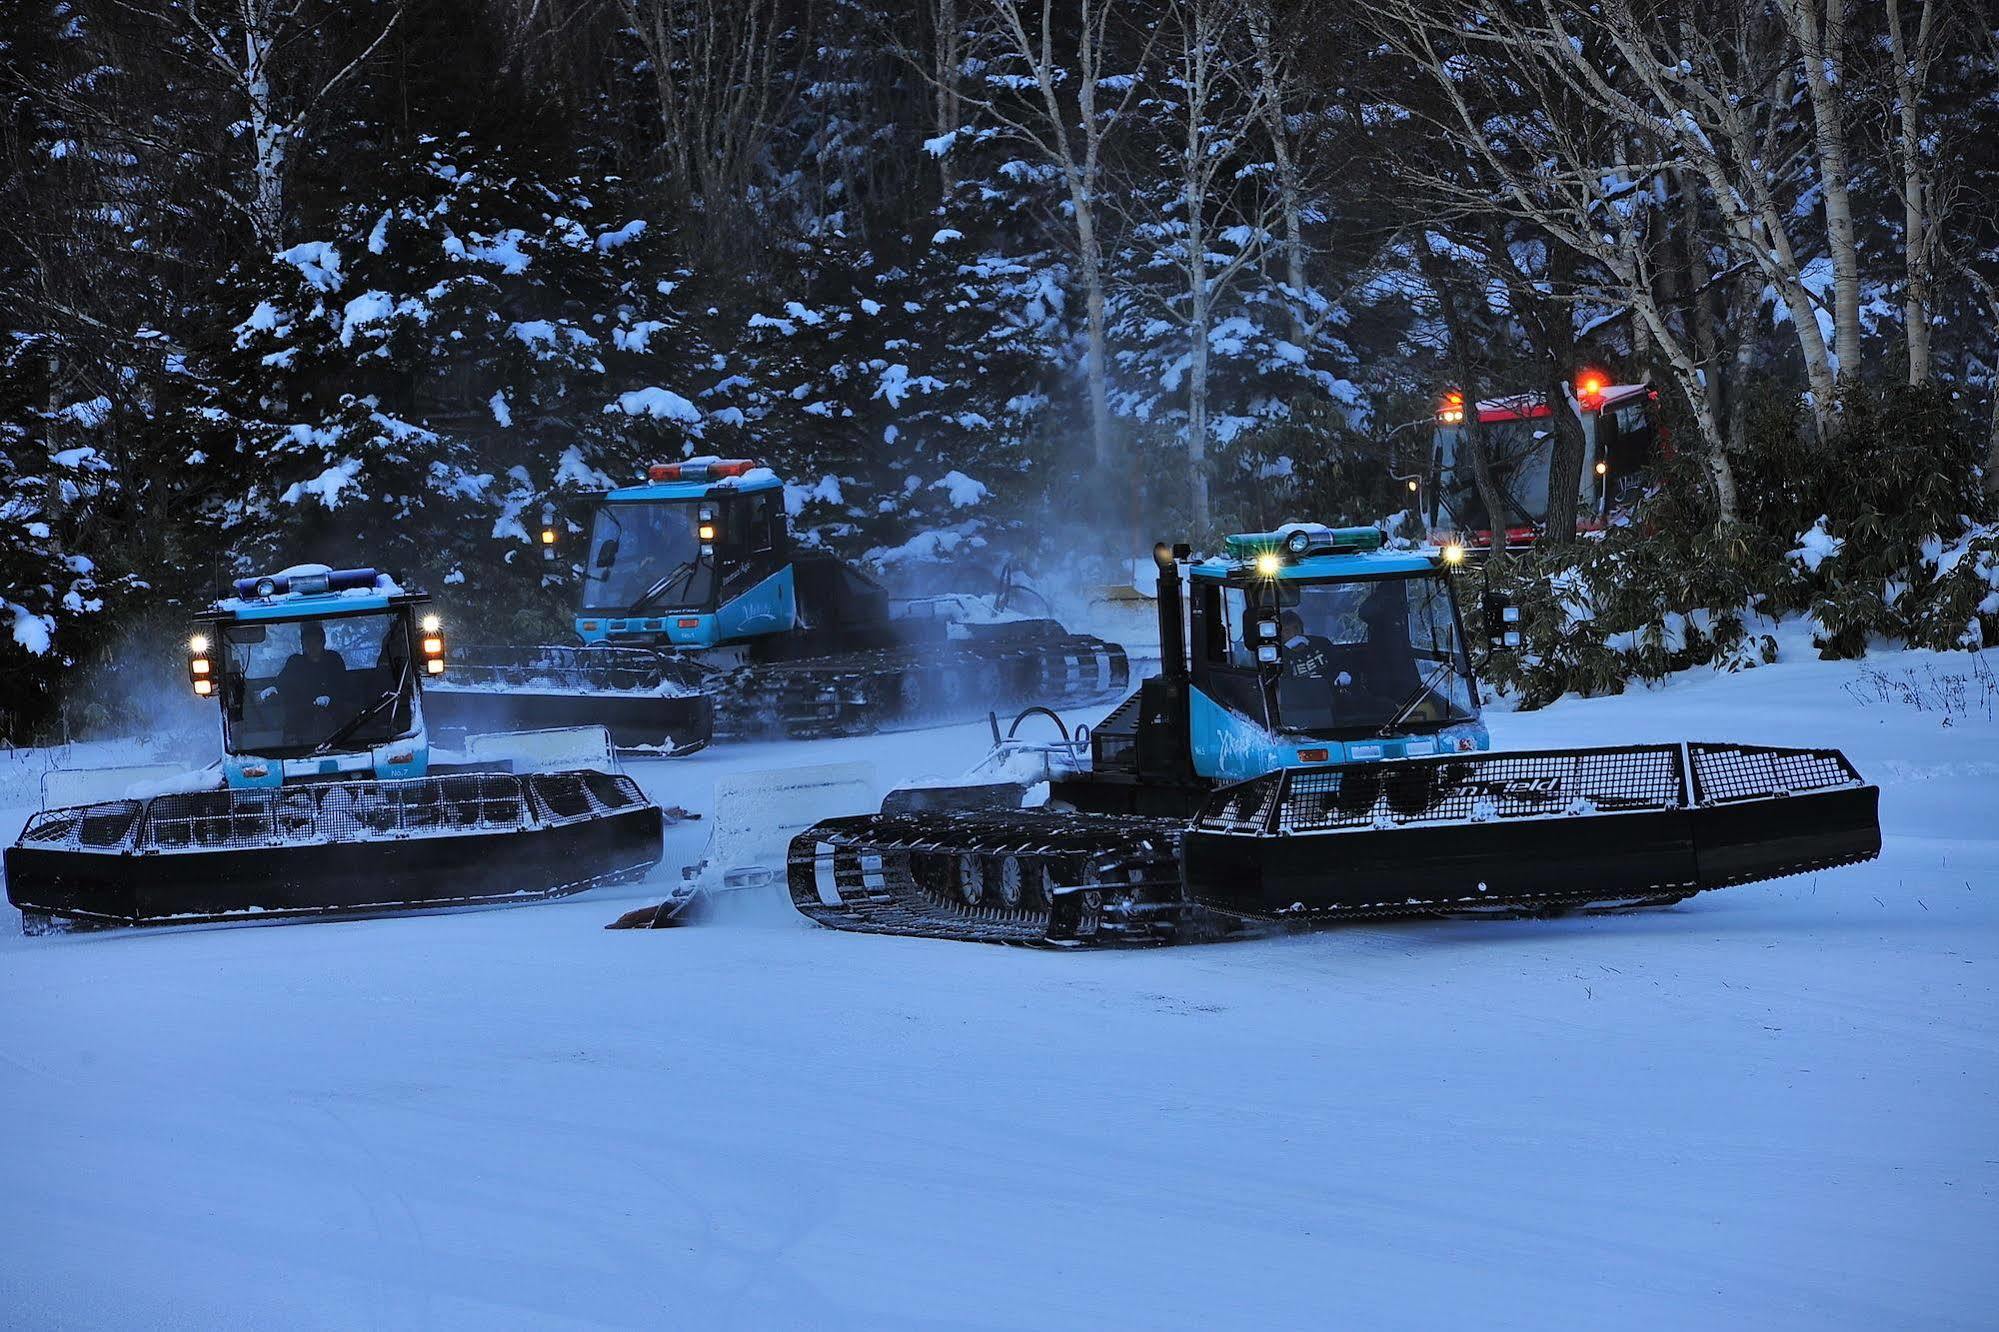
1049, 82
1912, 50
1819, 27
1215, 92
273, 56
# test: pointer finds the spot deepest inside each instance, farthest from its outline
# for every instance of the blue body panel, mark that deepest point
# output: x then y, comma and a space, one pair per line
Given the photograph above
1230, 747
310, 608
770, 607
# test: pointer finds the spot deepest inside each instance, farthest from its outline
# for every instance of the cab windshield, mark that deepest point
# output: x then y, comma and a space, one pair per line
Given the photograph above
1367, 656
646, 556
297, 687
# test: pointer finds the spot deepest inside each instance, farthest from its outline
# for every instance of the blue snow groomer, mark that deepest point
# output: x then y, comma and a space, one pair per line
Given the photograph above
1311, 751
692, 584
327, 798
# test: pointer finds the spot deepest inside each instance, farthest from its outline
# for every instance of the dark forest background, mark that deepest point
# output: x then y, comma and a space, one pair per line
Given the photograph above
374, 281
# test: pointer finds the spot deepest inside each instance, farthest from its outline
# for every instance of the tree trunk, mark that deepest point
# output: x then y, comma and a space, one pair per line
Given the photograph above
1743, 364
1911, 68
1565, 454
1990, 293
1714, 453
1821, 38
949, 107
267, 138
1197, 361
1700, 296
1290, 187
1096, 360
1197, 424
1471, 432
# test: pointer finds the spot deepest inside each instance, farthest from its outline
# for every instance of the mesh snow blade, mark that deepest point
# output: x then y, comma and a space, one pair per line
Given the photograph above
1526, 830
352, 846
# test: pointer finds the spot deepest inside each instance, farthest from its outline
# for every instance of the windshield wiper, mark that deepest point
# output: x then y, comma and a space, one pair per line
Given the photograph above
1421, 692
360, 719
658, 589
367, 714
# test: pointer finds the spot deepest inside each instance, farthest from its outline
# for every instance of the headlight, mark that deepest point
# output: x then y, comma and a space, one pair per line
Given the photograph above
1268, 563
1454, 553
198, 644
431, 624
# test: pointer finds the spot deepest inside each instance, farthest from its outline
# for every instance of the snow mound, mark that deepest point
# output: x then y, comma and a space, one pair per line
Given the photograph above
659, 404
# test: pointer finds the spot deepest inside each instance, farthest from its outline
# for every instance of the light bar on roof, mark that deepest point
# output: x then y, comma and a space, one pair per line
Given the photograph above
304, 584
714, 469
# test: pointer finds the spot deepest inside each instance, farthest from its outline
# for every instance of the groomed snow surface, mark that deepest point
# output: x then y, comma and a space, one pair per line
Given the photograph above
1768, 1107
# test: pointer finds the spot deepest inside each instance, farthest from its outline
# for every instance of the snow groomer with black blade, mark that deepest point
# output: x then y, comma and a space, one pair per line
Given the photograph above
699, 613
1313, 751
327, 798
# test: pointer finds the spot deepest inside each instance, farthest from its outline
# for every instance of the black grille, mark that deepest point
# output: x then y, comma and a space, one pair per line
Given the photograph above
326, 812
1545, 784
1241, 808
562, 796
1457, 789
1504, 786
103, 827
1748, 772
354, 811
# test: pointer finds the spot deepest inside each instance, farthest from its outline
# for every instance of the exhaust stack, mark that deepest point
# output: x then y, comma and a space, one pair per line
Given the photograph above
1172, 642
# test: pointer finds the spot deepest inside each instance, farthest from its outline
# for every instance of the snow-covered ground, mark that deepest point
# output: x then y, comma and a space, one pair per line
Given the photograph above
1768, 1107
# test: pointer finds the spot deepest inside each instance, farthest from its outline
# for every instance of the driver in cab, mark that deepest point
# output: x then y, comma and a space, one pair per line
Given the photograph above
1306, 656
311, 677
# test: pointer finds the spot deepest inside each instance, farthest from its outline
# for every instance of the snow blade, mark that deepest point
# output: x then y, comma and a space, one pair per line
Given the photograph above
557, 749
88, 786
1532, 831
758, 813
342, 847
635, 694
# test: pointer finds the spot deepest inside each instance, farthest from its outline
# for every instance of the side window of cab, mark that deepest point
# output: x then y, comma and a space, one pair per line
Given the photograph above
759, 524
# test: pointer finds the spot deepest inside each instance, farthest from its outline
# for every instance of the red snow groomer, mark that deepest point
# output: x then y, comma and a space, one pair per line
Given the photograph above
1622, 445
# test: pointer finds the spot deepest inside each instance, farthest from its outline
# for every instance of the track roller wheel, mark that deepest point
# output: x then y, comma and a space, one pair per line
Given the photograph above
1011, 881
972, 878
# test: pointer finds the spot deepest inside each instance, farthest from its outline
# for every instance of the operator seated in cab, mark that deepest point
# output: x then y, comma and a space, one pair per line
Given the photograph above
1364, 654
312, 680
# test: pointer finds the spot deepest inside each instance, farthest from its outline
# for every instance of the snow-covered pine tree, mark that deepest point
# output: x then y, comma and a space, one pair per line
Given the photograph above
445, 355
